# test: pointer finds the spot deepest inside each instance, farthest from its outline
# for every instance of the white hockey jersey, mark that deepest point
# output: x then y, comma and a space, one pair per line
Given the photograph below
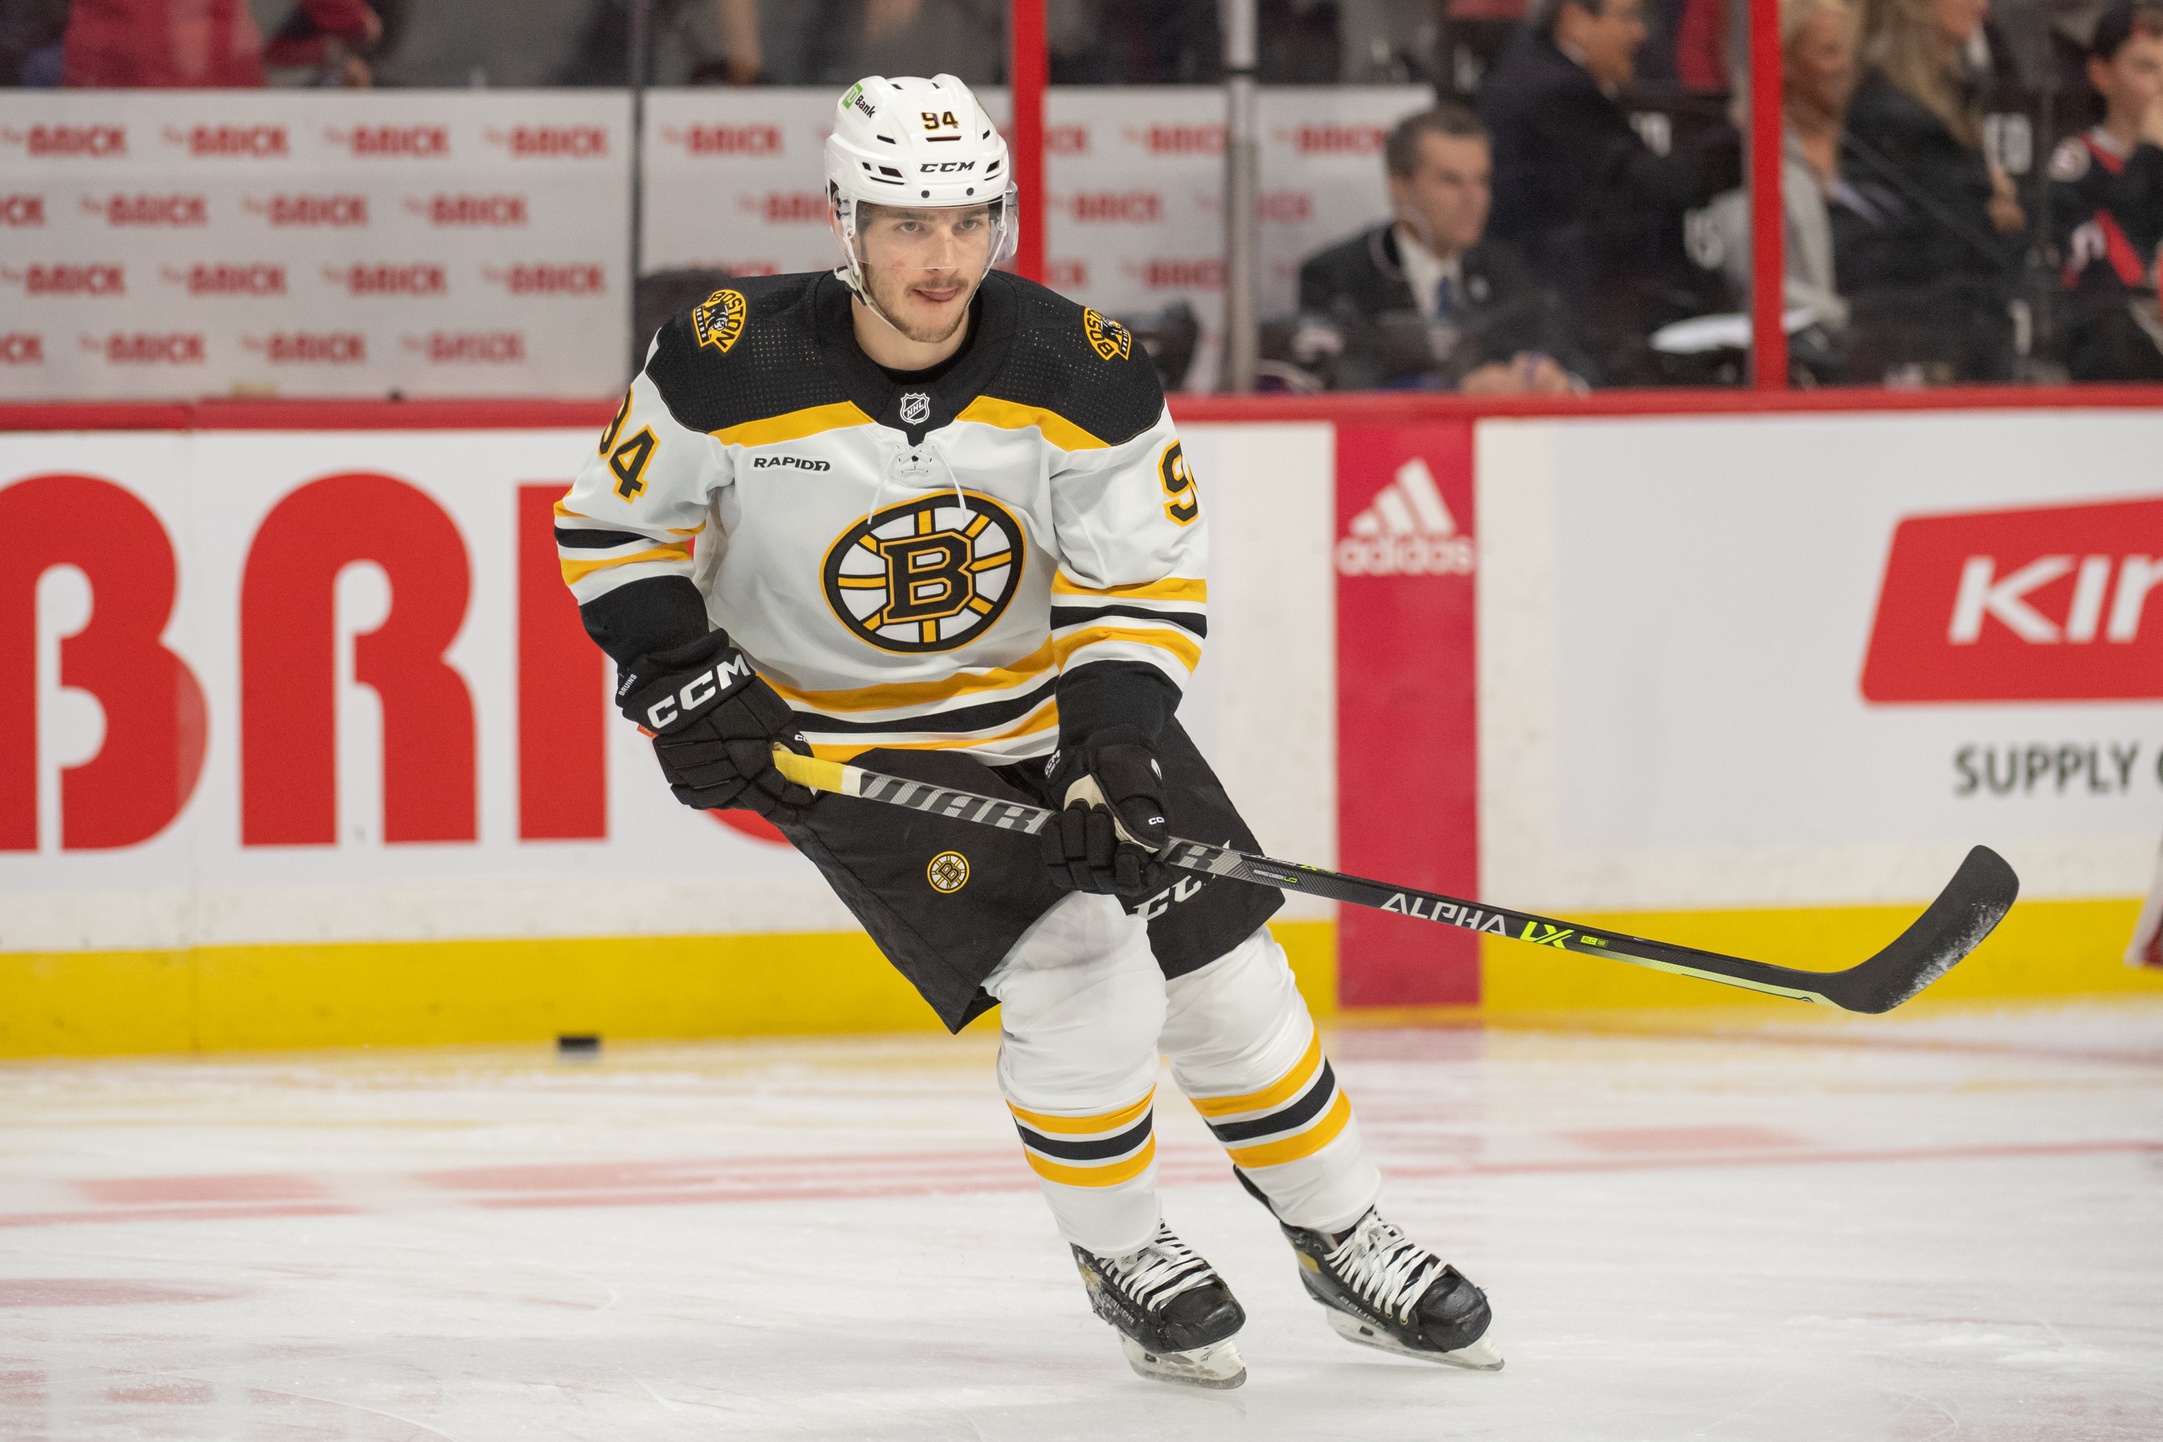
909, 565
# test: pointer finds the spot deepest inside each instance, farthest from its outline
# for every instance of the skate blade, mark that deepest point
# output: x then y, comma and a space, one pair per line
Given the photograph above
1217, 1365
1481, 1356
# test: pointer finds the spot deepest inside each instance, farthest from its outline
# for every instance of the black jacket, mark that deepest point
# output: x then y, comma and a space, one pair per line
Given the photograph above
2108, 215
1596, 213
1358, 288
1926, 272
1939, 192
2092, 194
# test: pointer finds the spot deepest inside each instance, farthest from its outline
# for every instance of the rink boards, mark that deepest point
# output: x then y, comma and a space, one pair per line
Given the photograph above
300, 743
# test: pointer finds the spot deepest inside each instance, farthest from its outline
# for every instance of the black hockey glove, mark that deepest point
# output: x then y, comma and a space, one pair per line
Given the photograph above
714, 725
1109, 838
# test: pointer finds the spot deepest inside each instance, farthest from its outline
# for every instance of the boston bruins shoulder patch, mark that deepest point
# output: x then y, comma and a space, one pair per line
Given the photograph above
1107, 337
719, 319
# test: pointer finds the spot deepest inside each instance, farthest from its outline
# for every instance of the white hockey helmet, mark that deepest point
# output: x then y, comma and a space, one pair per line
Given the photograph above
908, 141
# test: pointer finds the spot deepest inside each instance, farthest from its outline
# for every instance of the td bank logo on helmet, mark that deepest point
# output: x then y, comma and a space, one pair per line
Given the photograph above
2048, 604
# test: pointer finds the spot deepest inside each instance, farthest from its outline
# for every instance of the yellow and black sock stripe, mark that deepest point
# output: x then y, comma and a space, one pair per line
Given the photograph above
1295, 1116
1093, 1151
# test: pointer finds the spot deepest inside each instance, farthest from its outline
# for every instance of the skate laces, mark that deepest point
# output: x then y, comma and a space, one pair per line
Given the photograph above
1159, 1270
1387, 1269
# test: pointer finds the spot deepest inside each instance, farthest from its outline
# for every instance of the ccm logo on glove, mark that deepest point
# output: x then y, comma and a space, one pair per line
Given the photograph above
696, 693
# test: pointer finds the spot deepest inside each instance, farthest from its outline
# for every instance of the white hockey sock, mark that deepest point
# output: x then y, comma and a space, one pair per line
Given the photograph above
1245, 1050
1081, 1004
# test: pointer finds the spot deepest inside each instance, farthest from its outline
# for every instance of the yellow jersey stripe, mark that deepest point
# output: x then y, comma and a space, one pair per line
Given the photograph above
1305, 1144
1082, 1126
1010, 416
1170, 638
1278, 1092
1043, 718
793, 425
1171, 588
903, 695
1105, 1176
576, 571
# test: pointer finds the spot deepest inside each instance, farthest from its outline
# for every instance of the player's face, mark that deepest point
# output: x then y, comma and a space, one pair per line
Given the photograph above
922, 266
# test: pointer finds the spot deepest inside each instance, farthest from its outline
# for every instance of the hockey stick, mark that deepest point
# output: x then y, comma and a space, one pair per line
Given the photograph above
1972, 903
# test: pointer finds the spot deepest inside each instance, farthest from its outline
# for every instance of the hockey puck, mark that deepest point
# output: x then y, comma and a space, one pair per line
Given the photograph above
578, 1044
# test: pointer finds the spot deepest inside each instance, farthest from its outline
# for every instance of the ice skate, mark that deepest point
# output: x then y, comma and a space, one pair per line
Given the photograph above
1382, 1289
1175, 1316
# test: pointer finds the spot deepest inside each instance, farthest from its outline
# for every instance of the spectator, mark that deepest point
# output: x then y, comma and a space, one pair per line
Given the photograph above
1425, 300
1595, 211
1927, 260
966, 38
601, 54
170, 44
2106, 199
321, 57
1817, 45
31, 32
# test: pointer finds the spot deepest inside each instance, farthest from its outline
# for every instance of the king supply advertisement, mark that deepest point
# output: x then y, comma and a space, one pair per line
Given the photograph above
1805, 660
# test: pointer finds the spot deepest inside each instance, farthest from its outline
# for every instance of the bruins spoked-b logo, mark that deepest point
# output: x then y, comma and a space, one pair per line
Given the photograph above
928, 574
719, 319
948, 872
1107, 337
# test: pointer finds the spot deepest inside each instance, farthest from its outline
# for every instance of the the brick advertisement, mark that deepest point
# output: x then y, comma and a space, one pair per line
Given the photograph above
313, 243
321, 243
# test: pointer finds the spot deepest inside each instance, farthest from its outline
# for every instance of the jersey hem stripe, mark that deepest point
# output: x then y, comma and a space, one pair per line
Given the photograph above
576, 571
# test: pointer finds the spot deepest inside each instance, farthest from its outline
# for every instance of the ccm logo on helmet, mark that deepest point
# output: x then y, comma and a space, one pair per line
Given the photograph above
946, 167
699, 690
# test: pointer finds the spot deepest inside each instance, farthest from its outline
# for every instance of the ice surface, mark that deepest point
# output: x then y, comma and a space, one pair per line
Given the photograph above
1937, 1227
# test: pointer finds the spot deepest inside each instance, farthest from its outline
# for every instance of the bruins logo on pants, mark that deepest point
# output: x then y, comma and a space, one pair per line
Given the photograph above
926, 575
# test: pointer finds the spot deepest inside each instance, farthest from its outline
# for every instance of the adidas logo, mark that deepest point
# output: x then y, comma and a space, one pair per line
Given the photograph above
1405, 531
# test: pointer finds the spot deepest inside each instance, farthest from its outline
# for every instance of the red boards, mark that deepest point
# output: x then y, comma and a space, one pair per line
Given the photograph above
1407, 721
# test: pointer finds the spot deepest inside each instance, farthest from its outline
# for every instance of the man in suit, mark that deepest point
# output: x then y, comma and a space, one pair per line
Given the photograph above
1594, 210
1427, 301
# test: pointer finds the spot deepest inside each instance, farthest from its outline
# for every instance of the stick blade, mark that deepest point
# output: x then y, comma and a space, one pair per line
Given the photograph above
1966, 911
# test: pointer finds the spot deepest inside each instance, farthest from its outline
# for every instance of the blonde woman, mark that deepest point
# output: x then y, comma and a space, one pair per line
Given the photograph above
1934, 265
1817, 44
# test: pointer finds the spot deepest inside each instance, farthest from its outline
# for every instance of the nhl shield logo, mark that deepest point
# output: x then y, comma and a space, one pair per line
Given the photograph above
925, 575
915, 408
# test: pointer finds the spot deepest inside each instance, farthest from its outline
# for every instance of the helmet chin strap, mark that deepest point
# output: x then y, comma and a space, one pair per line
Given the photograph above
852, 277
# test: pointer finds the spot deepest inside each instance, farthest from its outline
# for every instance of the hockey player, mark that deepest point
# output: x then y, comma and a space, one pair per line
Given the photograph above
921, 512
